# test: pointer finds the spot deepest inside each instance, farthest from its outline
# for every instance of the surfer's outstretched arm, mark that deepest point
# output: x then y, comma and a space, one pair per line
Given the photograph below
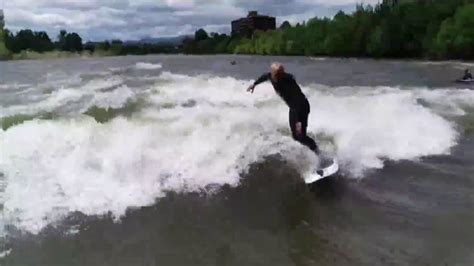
261, 79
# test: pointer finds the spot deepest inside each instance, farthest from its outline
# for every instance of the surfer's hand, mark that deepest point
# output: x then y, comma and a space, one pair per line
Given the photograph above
251, 88
299, 129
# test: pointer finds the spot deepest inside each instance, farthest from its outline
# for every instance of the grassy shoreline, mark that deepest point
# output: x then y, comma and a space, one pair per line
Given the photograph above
31, 55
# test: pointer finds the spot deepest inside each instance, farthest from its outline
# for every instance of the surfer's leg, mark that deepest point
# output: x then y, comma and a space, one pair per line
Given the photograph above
308, 141
303, 138
293, 120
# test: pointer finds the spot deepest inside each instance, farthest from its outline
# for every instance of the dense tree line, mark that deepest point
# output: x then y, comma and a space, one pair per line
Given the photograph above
39, 41
434, 29
70, 42
117, 47
4, 53
423, 28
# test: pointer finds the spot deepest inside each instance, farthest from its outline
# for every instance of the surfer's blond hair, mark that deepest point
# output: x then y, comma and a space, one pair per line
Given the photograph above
276, 67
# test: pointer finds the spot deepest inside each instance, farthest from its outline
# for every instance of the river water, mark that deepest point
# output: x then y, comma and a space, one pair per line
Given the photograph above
166, 160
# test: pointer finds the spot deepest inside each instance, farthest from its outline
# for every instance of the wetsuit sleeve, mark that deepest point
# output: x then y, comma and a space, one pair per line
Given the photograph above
262, 79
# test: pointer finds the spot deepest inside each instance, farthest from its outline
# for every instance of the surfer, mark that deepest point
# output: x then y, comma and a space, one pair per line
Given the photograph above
467, 75
287, 88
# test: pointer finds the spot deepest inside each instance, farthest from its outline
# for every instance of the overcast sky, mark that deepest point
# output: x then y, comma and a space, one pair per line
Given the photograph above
135, 19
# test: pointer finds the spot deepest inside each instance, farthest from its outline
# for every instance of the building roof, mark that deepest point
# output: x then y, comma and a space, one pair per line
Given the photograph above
254, 14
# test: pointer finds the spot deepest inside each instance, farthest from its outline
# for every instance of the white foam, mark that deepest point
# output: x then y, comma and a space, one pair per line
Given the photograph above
200, 131
106, 93
50, 102
319, 58
100, 168
13, 87
5, 253
369, 128
456, 64
113, 99
147, 66
448, 102
103, 83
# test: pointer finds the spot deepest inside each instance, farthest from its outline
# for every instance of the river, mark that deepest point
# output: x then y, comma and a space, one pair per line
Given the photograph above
166, 160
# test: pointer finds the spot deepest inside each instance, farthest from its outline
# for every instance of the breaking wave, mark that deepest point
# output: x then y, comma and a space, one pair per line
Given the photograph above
147, 66
191, 132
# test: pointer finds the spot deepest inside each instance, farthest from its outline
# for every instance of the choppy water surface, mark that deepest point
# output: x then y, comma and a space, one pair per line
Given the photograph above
166, 160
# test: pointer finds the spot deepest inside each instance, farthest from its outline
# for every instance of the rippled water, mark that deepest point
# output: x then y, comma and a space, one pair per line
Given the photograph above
165, 160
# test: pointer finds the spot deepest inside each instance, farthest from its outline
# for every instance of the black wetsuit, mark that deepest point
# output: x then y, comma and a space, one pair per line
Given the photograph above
291, 93
467, 76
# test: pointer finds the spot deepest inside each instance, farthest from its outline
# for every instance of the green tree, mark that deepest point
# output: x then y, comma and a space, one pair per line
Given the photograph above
245, 46
4, 52
62, 39
42, 42
339, 36
104, 46
116, 47
285, 25
190, 46
25, 39
456, 36
73, 43
10, 41
233, 43
408, 29
200, 35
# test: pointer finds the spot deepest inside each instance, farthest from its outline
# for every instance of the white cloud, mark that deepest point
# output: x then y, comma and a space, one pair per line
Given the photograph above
132, 19
180, 3
338, 2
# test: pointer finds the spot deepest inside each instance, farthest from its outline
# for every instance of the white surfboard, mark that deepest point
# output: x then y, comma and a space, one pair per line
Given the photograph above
466, 81
327, 171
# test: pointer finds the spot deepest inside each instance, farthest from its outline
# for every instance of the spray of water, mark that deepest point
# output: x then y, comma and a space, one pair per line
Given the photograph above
197, 131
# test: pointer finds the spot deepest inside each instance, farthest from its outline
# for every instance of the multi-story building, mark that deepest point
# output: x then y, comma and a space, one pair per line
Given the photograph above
247, 26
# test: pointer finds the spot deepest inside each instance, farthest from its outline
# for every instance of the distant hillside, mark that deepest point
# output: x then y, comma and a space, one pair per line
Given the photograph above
164, 40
